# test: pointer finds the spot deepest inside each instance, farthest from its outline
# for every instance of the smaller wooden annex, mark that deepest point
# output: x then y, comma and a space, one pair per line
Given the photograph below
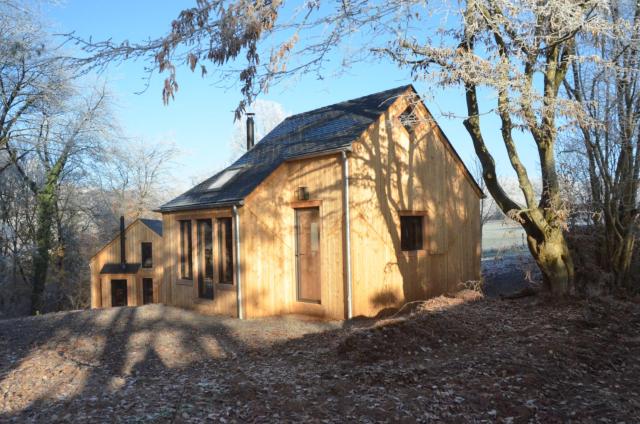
128, 270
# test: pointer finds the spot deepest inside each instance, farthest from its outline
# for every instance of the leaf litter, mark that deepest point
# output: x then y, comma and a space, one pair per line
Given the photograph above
459, 358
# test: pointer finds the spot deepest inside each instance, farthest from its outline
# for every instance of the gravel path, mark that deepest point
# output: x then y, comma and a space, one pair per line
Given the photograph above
453, 359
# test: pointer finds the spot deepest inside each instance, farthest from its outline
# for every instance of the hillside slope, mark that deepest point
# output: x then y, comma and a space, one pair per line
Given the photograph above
450, 359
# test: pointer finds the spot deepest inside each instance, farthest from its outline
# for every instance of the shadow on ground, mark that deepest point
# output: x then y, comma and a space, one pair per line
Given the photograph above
450, 360
506, 273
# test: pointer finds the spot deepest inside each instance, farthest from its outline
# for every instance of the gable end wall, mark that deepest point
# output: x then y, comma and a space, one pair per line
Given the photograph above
393, 172
135, 234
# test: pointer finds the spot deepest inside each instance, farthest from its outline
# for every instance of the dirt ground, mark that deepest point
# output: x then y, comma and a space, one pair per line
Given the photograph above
509, 273
453, 359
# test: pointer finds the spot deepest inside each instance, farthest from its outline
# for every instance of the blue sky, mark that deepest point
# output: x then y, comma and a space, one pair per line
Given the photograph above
200, 119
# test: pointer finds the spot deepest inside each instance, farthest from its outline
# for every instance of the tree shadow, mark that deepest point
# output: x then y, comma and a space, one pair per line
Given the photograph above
397, 172
163, 364
149, 363
59, 363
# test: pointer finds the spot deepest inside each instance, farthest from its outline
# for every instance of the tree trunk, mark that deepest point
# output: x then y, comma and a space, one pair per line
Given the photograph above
46, 200
553, 257
619, 232
622, 257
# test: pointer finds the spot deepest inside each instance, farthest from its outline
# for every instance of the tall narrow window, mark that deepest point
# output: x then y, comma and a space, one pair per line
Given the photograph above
205, 259
146, 255
411, 233
225, 251
186, 264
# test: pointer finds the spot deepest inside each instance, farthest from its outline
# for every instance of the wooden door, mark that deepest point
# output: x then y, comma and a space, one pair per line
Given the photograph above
147, 291
118, 292
205, 258
308, 254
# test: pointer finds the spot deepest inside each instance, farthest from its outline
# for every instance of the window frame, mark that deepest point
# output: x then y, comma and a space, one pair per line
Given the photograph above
201, 239
421, 245
225, 251
147, 279
142, 258
186, 263
409, 126
297, 207
224, 178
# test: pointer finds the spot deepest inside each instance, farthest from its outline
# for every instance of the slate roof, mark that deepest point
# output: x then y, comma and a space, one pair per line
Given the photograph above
154, 224
117, 269
326, 129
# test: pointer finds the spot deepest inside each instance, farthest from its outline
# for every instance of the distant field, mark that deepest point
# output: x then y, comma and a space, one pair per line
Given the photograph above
502, 237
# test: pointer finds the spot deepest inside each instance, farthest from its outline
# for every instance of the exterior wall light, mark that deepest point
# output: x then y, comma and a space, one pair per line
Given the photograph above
303, 193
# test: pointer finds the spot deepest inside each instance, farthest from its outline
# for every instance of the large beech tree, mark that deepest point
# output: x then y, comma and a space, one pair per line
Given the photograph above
520, 51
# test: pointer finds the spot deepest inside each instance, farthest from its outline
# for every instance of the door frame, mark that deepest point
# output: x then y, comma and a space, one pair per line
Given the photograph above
150, 279
297, 207
126, 290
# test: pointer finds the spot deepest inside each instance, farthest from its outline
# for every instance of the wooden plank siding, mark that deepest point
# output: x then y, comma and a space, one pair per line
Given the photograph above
135, 234
267, 222
184, 293
394, 171
267, 231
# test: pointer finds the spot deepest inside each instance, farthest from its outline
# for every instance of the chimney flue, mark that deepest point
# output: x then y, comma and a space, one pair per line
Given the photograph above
250, 131
123, 257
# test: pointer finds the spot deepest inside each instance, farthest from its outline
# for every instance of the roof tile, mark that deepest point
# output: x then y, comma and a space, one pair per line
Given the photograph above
328, 128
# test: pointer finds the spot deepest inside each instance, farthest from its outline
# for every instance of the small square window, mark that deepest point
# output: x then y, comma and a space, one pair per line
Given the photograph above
411, 228
408, 119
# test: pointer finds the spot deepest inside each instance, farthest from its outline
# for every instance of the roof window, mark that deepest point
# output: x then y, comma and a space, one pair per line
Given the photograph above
224, 178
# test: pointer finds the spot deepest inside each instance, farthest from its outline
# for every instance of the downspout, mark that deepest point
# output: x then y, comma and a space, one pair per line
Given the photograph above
123, 254
236, 225
347, 230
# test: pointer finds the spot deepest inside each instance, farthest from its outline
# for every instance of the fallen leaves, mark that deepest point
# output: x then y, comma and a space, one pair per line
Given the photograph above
448, 359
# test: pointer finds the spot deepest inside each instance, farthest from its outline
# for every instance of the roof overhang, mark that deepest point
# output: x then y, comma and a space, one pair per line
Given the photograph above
120, 268
347, 149
217, 205
240, 202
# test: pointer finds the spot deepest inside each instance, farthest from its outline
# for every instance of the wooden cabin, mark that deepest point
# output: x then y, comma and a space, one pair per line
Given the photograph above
128, 271
342, 211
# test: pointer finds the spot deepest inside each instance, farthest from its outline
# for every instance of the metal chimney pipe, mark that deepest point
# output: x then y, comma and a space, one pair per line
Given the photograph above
123, 257
250, 131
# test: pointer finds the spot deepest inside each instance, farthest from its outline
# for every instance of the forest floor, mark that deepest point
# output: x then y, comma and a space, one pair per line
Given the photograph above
461, 358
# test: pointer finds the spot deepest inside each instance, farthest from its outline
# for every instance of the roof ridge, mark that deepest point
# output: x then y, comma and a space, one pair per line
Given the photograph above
329, 128
328, 108
320, 109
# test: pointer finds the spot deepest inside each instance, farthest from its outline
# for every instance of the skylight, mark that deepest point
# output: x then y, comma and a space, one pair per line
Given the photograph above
224, 178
